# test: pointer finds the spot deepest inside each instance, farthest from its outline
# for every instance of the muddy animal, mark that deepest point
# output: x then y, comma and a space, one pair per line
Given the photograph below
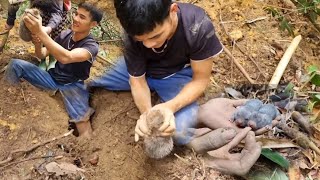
156, 146
243, 113
24, 32
263, 117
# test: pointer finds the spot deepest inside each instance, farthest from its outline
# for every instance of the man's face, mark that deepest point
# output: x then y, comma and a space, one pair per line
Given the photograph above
157, 37
82, 21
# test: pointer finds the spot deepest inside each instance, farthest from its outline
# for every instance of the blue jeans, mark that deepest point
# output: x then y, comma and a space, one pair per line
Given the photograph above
167, 88
75, 96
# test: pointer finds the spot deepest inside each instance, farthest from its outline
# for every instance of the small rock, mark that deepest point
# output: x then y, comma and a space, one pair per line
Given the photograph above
94, 159
236, 35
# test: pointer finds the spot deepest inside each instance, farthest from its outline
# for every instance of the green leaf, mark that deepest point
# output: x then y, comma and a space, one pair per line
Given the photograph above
275, 157
266, 174
289, 88
316, 98
316, 80
312, 68
284, 25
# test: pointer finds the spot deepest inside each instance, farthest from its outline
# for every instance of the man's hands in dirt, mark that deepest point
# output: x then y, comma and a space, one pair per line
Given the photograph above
167, 128
237, 163
217, 113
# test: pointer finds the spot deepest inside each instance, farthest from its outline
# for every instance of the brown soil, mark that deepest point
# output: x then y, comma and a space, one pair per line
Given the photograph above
29, 115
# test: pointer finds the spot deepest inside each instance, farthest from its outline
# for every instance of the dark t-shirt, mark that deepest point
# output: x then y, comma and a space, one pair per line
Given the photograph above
194, 39
73, 72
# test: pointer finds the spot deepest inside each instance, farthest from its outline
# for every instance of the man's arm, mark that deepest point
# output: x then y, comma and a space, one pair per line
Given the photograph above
41, 52
141, 93
61, 54
194, 89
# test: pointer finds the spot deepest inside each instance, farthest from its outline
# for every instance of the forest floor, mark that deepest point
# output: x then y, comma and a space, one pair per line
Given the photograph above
29, 116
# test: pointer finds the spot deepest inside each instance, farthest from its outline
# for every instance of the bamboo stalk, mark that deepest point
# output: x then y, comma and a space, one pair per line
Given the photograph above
284, 62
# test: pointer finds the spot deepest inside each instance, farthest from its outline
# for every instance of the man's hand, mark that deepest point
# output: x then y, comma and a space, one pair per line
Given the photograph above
35, 40
141, 127
237, 163
169, 125
33, 22
217, 112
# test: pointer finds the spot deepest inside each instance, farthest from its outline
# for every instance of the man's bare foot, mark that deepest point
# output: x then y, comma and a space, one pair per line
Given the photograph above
84, 129
6, 30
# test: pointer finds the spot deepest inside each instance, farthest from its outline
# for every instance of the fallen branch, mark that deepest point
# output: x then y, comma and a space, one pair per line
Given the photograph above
284, 62
257, 19
243, 71
24, 151
254, 62
107, 60
299, 137
29, 159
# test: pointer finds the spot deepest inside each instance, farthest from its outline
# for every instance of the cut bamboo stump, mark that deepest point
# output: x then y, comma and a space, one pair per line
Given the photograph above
284, 62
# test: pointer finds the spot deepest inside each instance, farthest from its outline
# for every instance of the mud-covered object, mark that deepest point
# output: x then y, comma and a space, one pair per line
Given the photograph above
156, 146
255, 114
24, 32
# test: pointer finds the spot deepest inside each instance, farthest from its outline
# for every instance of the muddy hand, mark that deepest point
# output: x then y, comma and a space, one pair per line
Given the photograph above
212, 140
217, 113
169, 125
141, 128
238, 163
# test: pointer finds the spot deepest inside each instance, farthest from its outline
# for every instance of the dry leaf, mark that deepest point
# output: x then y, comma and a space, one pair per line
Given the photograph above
275, 143
294, 172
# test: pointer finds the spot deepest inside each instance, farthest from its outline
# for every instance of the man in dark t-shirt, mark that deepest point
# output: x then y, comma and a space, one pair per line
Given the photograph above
74, 50
169, 49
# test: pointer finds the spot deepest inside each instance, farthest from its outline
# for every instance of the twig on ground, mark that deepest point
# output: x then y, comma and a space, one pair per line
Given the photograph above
23, 96
111, 40
183, 160
28, 150
107, 60
257, 19
3, 69
29, 159
244, 72
240, 49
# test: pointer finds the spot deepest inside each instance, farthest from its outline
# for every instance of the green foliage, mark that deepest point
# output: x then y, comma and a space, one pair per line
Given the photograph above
284, 23
309, 8
314, 75
275, 157
267, 174
22, 8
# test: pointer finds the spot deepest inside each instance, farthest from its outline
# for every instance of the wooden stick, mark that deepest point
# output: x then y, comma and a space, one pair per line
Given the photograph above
24, 151
105, 59
244, 72
284, 62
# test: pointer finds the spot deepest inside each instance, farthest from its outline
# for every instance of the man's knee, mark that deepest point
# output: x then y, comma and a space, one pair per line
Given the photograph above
12, 71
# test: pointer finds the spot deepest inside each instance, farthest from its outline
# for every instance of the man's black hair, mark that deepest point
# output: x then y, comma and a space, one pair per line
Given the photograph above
138, 17
96, 14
